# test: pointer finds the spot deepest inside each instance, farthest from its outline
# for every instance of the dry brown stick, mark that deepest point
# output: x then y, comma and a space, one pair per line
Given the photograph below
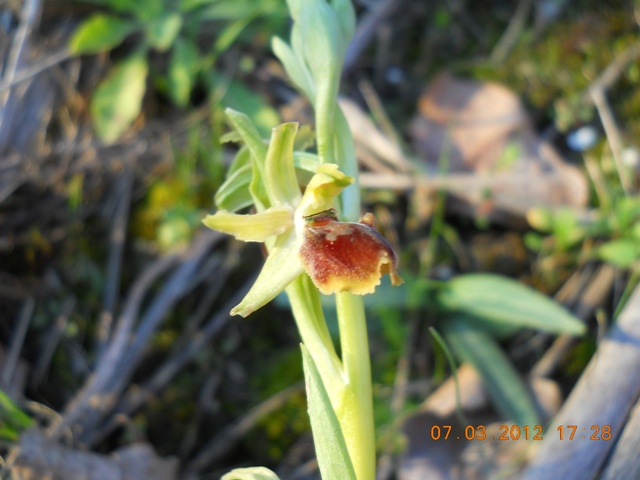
366, 29
39, 457
593, 296
173, 289
53, 338
510, 35
604, 395
23, 74
17, 341
227, 438
135, 398
28, 20
614, 138
94, 386
117, 238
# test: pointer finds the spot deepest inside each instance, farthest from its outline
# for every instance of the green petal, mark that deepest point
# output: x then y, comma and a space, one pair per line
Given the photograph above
325, 185
252, 228
281, 268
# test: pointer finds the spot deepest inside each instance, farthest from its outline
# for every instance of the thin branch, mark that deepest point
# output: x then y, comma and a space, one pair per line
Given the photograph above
114, 264
227, 438
511, 34
53, 338
136, 397
26, 73
366, 29
19, 334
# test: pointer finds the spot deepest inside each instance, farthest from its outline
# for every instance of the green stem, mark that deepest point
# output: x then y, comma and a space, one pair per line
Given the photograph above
307, 311
356, 414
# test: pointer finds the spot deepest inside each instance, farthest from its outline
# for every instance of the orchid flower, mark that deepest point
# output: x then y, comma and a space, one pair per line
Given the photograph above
302, 232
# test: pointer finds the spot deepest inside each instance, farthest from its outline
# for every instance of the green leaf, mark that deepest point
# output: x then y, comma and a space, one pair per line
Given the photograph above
183, 68
142, 9
249, 134
161, 32
100, 33
620, 253
233, 194
118, 99
346, 17
280, 175
251, 473
12, 415
509, 393
331, 449
230, 33
251, 138
241, 99
502, 300
295, 67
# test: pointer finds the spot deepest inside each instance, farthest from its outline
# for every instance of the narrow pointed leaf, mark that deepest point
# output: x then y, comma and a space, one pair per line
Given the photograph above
280, 179
502, 300
331, 448
233, 194
507, 390
296, 68
280, 269
346, 17
252, 228
249, 134
251, 138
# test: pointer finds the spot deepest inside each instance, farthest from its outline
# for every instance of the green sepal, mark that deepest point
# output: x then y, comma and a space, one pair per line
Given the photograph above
282, 266
252, 228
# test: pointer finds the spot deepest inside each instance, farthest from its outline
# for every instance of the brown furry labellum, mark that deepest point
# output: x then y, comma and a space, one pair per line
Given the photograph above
346, 256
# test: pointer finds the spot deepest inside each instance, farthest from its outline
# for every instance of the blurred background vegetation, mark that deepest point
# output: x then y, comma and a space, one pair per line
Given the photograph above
110, 156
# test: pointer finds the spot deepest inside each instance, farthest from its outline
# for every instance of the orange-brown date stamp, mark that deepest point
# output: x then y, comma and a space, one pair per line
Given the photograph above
516, 432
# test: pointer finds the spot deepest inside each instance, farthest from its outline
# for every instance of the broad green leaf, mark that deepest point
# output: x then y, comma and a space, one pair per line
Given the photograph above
502, 300
100, 33
331, 449
280, 175
252, 228
118, 99
251, 473
183, 69
280, 269
508, 392
620, 253
161, 32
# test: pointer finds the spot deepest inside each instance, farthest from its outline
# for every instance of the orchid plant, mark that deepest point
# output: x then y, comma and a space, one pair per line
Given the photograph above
306, 206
